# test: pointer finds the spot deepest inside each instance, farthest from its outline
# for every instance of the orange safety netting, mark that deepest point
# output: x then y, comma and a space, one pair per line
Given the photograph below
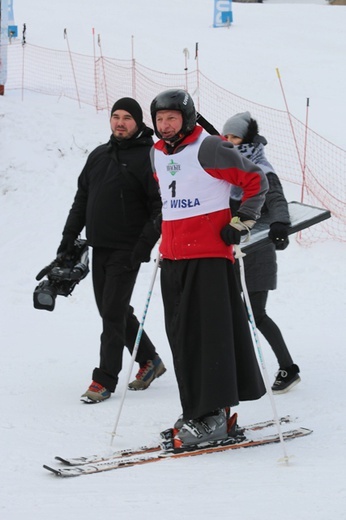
298, 154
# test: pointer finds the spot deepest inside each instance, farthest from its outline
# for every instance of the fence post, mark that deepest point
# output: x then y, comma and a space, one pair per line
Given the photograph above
95, 72
187, 55
305, 147
73, 71
23, 57
197, 66
104, 73
290, 121
134, 89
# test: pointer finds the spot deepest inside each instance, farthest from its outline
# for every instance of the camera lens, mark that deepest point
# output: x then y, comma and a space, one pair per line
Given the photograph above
44, 296
45, 299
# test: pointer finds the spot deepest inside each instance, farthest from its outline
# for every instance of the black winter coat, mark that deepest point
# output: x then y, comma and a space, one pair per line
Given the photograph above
117, 199
261, 266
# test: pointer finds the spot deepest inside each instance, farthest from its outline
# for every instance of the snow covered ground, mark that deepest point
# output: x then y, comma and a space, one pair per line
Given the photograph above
47, 358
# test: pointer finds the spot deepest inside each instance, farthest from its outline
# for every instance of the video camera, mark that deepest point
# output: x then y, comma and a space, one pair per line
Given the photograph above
63, 274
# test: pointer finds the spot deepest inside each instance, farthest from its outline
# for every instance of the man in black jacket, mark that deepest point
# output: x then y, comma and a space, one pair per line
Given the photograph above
117, 201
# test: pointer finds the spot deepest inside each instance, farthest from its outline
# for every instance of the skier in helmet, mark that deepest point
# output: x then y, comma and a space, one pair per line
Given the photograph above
205, 319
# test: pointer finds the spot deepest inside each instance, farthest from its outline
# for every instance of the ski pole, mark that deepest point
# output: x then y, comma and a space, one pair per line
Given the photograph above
136, 345
239, 255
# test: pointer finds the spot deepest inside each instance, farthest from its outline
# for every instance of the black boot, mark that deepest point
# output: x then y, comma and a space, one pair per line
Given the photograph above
286, 378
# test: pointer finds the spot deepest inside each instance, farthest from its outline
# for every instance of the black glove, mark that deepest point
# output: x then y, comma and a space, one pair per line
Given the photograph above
141, 253
278, 234
66, 245
230, 235
239, 226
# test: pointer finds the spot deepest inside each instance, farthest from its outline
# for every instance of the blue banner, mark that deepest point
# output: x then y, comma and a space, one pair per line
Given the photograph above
222, 13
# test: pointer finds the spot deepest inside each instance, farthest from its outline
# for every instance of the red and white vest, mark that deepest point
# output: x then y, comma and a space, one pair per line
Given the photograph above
186, 189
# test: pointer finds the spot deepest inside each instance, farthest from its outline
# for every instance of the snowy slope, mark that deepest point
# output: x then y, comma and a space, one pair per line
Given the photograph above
47, 358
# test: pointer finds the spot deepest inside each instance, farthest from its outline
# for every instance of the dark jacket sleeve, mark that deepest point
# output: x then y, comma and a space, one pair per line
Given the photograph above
221, 160
276, 203
76, 218
150, 233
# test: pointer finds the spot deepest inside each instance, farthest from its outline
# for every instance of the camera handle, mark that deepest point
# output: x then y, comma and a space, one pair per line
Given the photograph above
47, 269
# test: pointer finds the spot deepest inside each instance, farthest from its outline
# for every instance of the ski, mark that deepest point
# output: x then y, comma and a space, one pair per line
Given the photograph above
147, 458
78, 461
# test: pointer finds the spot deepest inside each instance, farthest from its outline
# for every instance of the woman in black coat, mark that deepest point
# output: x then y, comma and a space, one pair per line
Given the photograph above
261, 266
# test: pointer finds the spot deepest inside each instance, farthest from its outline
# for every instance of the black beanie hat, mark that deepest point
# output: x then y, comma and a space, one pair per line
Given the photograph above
131, 106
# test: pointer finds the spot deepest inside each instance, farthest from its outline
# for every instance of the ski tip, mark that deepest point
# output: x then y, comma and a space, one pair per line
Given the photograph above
53, 470
306, 431
63, 461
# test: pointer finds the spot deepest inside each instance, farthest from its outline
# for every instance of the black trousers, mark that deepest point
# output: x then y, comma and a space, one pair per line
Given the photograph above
113, 286
269, 329
208, 332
